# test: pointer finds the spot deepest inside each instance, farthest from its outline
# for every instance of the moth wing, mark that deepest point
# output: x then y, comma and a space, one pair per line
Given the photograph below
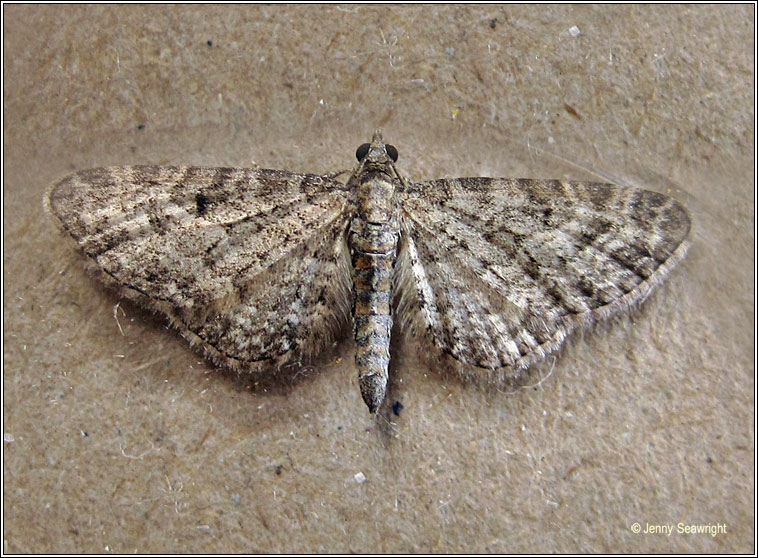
498, 271
251, 263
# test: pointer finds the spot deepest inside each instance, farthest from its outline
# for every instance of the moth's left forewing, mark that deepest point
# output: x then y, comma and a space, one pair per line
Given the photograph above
250, 263
192, 234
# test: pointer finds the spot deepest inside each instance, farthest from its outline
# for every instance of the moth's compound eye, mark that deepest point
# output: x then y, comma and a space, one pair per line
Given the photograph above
392, 152
362, 151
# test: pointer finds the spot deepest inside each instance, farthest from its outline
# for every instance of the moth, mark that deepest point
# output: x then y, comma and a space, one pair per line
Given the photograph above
263, 267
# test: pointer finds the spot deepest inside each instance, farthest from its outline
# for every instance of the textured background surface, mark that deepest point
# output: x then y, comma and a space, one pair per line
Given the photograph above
129, 442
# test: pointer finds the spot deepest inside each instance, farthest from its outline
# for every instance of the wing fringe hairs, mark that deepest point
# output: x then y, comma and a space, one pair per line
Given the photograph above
264, 268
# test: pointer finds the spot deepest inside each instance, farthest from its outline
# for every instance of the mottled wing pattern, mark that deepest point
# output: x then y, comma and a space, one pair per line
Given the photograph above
251, 263
498, 271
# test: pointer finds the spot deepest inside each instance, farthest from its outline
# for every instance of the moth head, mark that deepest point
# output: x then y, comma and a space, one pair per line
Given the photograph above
377, 151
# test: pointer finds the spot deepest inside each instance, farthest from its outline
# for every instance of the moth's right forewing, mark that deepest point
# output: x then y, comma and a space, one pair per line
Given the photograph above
500, 270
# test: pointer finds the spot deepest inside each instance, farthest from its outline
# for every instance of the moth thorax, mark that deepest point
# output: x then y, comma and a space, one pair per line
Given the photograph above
375, 198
